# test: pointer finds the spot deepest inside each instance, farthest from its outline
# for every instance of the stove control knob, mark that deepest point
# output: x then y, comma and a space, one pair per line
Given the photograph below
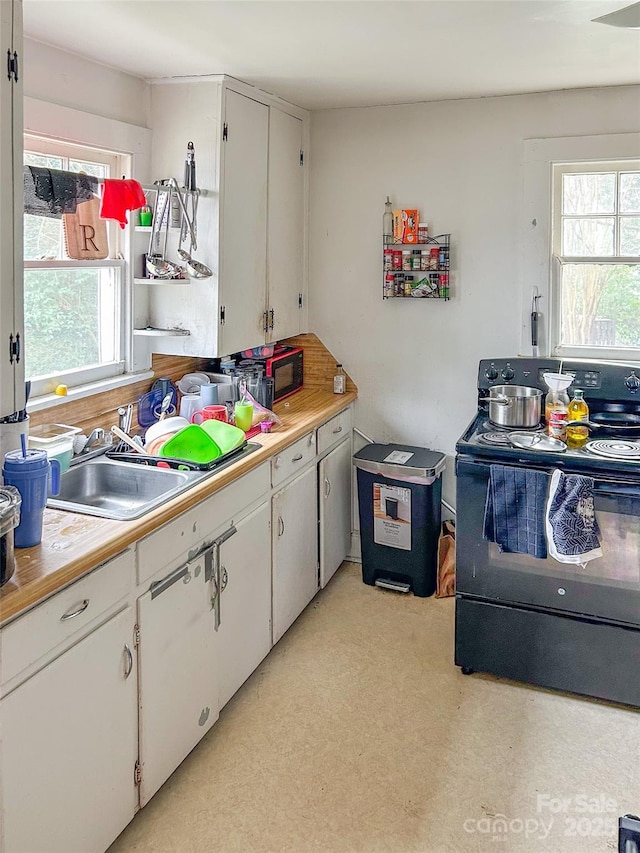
632, 382
491, 372
508, 373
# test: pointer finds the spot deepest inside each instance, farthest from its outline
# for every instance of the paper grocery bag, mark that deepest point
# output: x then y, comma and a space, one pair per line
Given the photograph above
446, 582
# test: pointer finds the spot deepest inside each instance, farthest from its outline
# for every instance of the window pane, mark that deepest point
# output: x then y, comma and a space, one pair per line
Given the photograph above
44, 161
42, 238
98, 170
630, 235
600, 305
630, 192
71, 319
584, 237
583, 193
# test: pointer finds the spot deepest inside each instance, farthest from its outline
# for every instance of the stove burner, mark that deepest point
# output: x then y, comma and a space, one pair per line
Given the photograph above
615, 449
499, 439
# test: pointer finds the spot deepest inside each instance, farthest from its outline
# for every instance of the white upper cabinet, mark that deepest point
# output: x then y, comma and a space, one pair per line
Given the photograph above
11, 209
285, 253
251, 222
243, 222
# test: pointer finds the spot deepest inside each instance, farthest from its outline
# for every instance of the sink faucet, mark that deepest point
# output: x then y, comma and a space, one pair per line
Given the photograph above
96, 438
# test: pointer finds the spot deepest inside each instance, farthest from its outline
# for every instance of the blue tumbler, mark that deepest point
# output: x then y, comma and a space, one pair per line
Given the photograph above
30, 474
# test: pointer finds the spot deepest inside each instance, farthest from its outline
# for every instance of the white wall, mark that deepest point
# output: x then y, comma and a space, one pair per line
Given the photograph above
459, 162
63, 78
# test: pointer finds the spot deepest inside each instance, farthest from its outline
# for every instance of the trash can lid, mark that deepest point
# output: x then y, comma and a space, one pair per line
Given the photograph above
401, 461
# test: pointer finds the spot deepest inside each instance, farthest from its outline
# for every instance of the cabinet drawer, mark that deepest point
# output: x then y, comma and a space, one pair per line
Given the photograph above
57, 622
293, 459
183, 537
334, 430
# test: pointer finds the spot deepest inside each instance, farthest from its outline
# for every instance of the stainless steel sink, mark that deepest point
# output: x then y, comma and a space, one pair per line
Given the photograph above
120, 490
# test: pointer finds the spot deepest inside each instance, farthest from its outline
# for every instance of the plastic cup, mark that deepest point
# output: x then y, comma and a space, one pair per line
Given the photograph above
30, 475
209, 394
243, 414
189, 405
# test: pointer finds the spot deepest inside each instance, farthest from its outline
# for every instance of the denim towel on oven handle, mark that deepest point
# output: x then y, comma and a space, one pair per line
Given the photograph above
570, 519
514, 511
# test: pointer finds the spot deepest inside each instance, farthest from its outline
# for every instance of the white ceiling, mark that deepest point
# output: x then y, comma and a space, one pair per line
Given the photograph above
345, 53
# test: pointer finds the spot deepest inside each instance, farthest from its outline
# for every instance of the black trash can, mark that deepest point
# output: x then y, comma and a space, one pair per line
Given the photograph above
399, 494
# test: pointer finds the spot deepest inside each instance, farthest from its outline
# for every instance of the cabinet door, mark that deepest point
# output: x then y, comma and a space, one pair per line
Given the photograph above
285, 272
11, 211
295, 550
69, 747
335, 509
244, 634
243, 223
178, 686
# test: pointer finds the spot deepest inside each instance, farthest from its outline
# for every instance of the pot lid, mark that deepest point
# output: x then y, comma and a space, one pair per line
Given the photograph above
537, 441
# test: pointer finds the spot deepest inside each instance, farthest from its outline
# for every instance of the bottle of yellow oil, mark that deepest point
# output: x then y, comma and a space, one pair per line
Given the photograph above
578, 411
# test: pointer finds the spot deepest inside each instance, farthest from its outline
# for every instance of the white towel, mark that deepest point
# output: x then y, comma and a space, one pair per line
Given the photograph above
570, 520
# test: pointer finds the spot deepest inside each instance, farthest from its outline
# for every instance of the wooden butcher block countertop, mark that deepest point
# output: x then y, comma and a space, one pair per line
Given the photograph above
72, 544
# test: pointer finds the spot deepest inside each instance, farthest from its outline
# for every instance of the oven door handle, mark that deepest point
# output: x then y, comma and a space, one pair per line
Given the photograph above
616, 489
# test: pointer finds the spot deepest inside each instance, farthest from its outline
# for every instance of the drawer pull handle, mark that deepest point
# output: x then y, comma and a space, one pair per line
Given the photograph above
337, 430
129, 664
297, 457
327, 487
77, 612
280, 526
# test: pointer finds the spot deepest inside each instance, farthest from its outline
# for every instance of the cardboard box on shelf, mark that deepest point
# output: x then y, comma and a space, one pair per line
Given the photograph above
405, 226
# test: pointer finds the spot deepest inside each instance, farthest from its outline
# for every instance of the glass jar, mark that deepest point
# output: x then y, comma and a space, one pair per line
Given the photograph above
555, 401
578, 410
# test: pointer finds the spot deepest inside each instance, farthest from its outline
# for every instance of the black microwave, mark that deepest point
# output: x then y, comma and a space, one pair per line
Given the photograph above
285, 367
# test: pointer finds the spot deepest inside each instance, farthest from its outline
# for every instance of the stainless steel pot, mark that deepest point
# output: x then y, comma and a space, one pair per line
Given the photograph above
515, 406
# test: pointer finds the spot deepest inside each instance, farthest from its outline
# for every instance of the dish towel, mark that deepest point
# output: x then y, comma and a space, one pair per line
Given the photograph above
570, 519
52, 192
514, 510
119, 196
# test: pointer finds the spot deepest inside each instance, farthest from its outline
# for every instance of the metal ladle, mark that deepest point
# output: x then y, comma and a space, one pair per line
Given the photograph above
196, 269
156, 263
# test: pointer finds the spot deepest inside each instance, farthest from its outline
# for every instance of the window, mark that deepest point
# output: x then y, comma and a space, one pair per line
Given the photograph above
596, 252
74, 310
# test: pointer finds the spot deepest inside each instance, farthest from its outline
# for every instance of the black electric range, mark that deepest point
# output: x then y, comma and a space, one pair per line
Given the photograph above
570, 627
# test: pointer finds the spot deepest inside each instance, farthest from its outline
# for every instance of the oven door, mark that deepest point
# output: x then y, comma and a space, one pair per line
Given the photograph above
608, 587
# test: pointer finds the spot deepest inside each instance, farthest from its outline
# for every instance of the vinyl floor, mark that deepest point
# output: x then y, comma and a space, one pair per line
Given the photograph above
358, 735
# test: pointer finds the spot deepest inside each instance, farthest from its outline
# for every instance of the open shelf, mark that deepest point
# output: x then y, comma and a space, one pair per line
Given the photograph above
161, 333
161, 281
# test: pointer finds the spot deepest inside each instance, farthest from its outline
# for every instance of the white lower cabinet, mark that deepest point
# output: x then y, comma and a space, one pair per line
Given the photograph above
89, 728
69, 747
178, 675
294, 526
334, 483
244, 632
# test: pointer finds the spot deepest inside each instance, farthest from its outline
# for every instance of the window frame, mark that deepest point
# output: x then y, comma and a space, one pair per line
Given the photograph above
119, 164
538, 269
